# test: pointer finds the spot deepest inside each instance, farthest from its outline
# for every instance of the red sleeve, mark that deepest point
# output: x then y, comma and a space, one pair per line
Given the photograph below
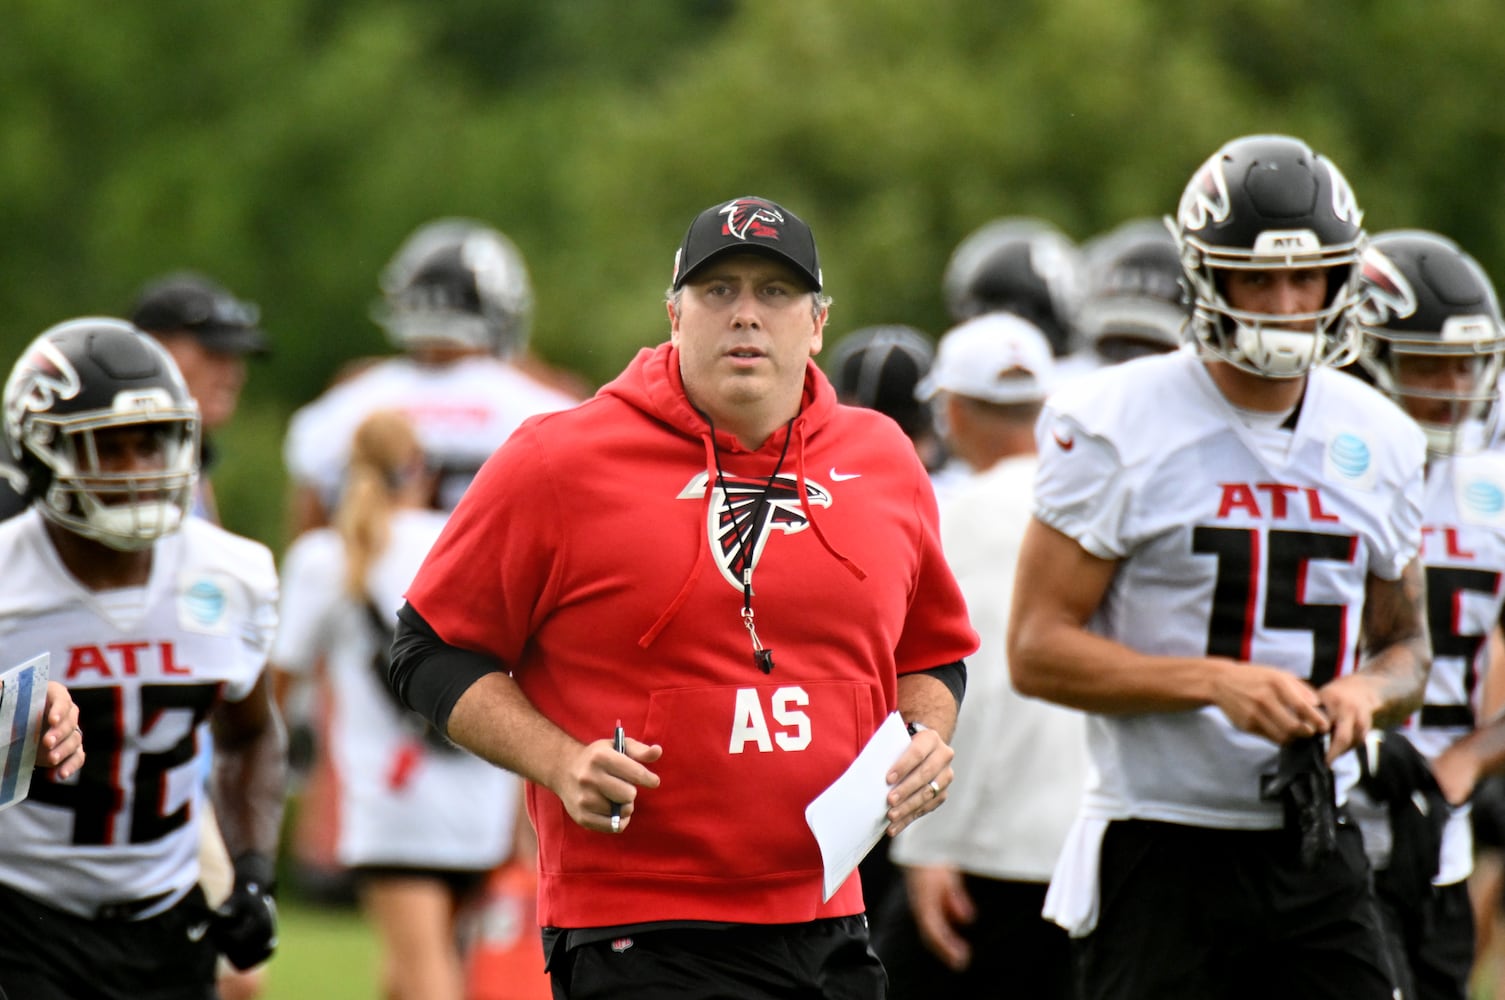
487, 581
937, 629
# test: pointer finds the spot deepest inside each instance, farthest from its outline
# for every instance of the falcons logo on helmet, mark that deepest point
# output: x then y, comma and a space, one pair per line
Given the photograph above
45, 377
744, 511
1387, 293
751, 217
1345, 205
1206, 197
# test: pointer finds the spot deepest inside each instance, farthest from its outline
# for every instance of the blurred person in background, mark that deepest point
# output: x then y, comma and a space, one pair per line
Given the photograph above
1020, 265
210, 334
457, 303
976, 872
1134, 301
878, 367
422, 822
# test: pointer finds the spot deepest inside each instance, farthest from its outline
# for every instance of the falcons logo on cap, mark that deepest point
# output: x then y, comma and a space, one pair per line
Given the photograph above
742, 516
747, 217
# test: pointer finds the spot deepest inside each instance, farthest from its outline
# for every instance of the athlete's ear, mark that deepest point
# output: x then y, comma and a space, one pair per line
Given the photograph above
673, 324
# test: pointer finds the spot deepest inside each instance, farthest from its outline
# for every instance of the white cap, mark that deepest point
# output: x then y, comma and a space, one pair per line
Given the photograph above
996, 357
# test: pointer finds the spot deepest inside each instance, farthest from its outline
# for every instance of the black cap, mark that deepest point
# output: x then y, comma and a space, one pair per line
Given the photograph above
748, 225
204, 308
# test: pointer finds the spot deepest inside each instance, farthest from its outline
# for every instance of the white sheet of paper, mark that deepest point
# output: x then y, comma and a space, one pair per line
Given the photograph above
23, 694
850, 816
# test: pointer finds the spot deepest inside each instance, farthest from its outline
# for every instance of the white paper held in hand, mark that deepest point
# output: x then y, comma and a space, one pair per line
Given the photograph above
849, 817
23, 693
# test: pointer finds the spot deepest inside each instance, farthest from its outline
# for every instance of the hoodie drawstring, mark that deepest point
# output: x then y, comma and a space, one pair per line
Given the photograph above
680, 598
799, 484
714, 483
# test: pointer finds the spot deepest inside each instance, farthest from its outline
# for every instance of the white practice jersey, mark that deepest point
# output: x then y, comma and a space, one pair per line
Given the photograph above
126, 827
1463, 550
1223, 550
462, 411
403, 802
1025, 760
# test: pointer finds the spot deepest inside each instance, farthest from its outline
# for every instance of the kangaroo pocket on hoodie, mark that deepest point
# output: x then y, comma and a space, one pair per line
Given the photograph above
747, 758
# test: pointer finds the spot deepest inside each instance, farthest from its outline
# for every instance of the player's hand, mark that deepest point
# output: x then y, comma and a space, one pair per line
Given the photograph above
918, 780
244, 927
62, 745
1350, 702
1267, 701
940, 903
599, 778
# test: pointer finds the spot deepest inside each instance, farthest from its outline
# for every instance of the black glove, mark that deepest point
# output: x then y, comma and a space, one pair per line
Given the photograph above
1400, 777
244, 928
1303, 784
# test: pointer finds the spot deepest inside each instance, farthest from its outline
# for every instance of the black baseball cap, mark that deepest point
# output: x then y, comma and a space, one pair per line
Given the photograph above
878, 367
748, 225
204, 308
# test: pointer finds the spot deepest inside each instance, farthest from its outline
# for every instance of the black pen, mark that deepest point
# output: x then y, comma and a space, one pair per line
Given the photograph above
619, 744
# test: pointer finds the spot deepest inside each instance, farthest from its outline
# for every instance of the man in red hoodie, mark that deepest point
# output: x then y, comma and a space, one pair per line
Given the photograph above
748, 576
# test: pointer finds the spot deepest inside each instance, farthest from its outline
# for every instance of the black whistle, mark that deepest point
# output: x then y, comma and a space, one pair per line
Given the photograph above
764, 659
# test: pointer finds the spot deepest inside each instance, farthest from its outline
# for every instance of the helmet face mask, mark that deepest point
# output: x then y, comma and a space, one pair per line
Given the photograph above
1432, 337
98, 418
459, 283
1268, 203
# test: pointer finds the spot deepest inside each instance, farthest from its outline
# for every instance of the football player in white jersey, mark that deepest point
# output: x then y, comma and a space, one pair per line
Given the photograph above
1224, 575
159, 625
458, 303
421, 822
1434, 342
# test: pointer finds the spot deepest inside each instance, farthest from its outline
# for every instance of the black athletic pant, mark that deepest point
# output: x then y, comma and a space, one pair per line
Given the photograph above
1431, 941
1015, 951
822, 959
1231, 915
47, 954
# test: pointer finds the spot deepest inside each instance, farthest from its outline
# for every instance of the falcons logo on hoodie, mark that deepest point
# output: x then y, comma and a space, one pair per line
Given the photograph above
741, 516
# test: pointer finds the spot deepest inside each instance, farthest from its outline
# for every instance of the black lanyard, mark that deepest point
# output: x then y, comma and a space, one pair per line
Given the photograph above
762, 656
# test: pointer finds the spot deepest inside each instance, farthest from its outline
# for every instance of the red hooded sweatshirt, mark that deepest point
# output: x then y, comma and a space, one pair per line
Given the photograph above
599, 555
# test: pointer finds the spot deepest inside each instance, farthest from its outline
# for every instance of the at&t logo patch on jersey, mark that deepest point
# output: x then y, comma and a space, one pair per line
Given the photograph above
202, 605
1481, 500
1350, 461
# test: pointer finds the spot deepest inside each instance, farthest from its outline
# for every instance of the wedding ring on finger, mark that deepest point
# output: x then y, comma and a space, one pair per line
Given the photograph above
935, 788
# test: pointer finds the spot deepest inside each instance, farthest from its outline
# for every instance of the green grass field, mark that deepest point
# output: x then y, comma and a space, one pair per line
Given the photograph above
325, 952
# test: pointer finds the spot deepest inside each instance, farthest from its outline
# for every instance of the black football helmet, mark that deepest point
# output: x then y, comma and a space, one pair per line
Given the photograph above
1135, 301
1266, 202
459, 282
1432, 336
88, 376
878, 367
1020, 265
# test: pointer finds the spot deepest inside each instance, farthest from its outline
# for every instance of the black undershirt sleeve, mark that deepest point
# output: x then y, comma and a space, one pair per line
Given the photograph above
428, 674
953, 675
